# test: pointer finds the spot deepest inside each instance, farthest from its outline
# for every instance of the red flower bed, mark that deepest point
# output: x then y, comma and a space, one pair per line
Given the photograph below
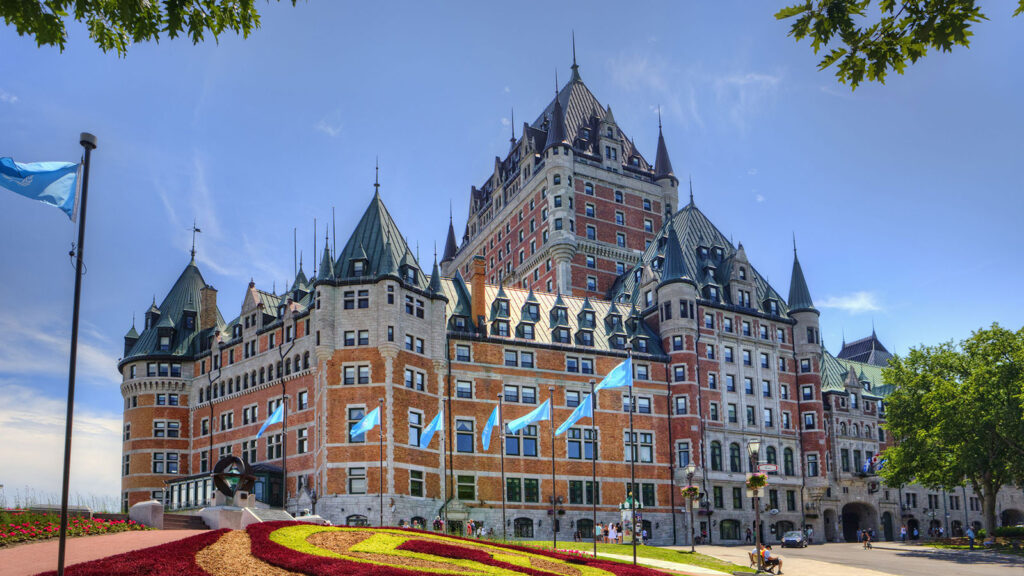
171, 559
22, 526
284, 557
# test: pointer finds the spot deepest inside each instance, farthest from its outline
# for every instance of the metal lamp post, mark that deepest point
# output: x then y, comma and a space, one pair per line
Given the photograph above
753, 447
690, 470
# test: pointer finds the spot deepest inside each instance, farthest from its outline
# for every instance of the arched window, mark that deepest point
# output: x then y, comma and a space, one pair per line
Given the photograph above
867, 431
356, 520
716, 456
523, 528
585, 526
296, 361
842, 428
253, 379
771, 456
856, 430
263, 375
734, 458
730, 529
787, 462
305, 361
287, 365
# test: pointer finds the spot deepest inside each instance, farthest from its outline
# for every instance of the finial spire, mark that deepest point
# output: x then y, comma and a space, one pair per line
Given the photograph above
574, 66
376, 176
659, 118
691, 189
513, 139
794, 244
194, 232
556, 83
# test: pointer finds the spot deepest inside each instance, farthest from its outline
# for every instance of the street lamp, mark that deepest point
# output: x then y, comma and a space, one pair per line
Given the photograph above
690, 470
753, 447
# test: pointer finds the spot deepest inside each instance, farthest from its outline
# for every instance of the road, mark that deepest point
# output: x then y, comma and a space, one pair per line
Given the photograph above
885, 559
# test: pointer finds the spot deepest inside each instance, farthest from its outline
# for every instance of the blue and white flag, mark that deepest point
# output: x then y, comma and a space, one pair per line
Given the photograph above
275, 418
53, 183
366, 424
428, 432
866, 467
584, 410
880, 464
621, 375
488, 428
539, 414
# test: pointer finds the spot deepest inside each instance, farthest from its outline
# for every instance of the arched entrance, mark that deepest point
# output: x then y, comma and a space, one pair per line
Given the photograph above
887, 528
913, 527
857, 516
956, 529
830, 525
1011, 517
781, 527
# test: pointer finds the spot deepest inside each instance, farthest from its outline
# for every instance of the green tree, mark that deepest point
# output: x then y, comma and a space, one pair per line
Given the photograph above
956, 415
870, 42
116, 24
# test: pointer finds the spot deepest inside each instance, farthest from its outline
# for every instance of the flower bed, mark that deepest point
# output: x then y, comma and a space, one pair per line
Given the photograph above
171, 559
21, 526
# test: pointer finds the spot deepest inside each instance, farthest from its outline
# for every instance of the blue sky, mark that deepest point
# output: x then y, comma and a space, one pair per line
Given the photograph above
905, 198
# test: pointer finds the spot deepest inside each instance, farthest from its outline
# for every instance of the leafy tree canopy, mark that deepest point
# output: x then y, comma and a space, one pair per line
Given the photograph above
870, 42
116, 24
956, 415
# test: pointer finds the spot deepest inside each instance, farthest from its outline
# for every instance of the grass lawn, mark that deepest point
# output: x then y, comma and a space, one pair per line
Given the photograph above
978, 548
679, 556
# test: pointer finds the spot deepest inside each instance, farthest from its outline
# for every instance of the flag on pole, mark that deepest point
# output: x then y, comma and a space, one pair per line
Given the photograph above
275, 418
584, 410
621, 375
53, 183
541, 413
428, 432
366, 424
488, 428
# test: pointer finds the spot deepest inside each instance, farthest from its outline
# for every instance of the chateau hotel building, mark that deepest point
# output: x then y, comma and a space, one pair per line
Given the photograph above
575, 250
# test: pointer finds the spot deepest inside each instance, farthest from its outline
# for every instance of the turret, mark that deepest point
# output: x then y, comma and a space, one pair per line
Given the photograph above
663, 174
677, 288
801, 309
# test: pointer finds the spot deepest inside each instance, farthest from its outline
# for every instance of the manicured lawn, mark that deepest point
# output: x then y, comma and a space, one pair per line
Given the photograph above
682, 557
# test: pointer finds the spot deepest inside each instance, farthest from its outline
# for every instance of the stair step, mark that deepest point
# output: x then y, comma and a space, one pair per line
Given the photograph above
184, 522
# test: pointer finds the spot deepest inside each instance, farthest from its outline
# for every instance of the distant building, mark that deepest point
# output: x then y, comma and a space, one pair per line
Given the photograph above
575, 253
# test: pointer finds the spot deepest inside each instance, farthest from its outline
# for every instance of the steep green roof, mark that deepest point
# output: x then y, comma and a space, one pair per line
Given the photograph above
378, 240
799, 295
673, 266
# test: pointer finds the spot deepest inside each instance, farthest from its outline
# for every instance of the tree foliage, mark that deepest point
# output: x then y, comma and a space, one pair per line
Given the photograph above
956, 415
869, 41
116, 24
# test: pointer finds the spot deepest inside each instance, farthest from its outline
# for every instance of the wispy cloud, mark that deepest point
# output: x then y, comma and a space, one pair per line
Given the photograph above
744, 95
672, 88
33, 435
41, 347
330, 124
855, 303
7, 98
752, 172
759, 198
506, 122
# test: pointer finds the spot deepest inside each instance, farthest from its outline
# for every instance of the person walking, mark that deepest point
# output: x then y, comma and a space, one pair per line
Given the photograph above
599, 532
916, 534
970, 537
867, 539
749, 533
903, 533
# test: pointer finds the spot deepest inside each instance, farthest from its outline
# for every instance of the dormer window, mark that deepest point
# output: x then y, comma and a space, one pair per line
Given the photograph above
610, 133
585, 133
190, 322
717, 253
165, 343
500, 328
773, 307
614, 321
533, 312
561, 315
358, 267
641, 344
502, 308
561, 335
587, 319
634, 161
618, 342
527, 330
711, 292
702, 252
585, 338
743, 273
410, 275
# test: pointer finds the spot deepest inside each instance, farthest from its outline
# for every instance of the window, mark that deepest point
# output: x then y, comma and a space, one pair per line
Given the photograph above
764, 360
809, 421
709, 320
648, 225
709, 351
620, 218
720, 503
642, 451
787, 462
746, 328
163, 463
716, 457
812, 464
463, 389
748, 385
618, 197
712, 381
588, 189
731, 413
643, 404
727, 325
769, 421
357, 480
713, 411
729, 353
274, 445
786, 423
522, 443
807, 392
528, 395
165, 429
350, 338
464, 436
466, 487
642, 372
746, 357
620, 239
511, 393
735, 461
572, 398
354, 416
591, 283
737, 498
730, 383
763, 331
414, 379
679, 373
591, 231
526, 359
682, 406
682, 453
581, 443
302, 440
583, 492
766, 389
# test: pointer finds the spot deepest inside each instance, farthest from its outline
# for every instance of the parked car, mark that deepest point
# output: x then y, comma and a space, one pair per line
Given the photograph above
795, 539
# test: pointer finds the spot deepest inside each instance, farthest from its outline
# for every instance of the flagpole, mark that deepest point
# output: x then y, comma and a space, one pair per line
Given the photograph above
88, 141
554, 492
634, 451
444, 483
501, 451
593, 462
380, 479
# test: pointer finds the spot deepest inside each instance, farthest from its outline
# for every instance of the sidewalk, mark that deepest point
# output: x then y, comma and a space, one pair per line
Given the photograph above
36, 557
665, 565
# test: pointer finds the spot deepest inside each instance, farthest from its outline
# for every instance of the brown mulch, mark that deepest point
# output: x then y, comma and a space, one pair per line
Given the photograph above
231, 555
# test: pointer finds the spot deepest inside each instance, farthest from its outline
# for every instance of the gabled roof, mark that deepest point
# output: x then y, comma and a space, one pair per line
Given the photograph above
694, 230
866, 350
377, 239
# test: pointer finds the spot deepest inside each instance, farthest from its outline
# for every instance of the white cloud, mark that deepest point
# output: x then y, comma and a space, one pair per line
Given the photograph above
752, 172
506, 122
7, 98
32, 428
855, 303
744, 95
330, 124
672, 89
759, 198
507, 90
42, 347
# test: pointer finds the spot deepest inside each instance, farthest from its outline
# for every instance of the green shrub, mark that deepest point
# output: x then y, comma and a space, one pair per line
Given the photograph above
1009, 532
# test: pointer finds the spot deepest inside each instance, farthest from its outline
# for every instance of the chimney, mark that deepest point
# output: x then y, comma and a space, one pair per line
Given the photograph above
207, 307
476, 286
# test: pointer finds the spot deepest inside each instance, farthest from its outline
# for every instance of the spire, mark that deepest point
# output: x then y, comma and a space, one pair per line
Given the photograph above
799, 295
435, 277
194, 232
575, 67
674, 267
512, 139
326, 262
691, 190
450, 246
662, 164
556, 129
376, 176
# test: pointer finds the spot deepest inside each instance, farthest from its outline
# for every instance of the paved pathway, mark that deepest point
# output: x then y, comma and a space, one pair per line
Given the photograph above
885, 559
665, 565
29, 559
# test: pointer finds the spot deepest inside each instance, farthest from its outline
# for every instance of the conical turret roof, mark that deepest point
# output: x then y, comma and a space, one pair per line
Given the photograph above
451, 247
556, 129
799, 295
662, 163
674, 266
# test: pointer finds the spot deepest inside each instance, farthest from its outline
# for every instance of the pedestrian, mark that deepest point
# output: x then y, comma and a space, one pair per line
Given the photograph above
903, 533
916, 534
810, 535
749, 533
867, 540
598, 532
618, 529
643, 536
437, 524
970, 537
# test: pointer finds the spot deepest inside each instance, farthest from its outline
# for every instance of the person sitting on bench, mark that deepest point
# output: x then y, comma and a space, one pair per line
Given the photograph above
771, 560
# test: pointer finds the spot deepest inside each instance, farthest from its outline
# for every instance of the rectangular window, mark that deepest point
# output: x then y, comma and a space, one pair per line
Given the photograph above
731, 413
511, 393
274, 447
511, 358
513, 489
580, 443
302, 440
572, 398
464, 436
642, 451
354, 416
357, 480
466, 487
737, 497
526, 359
416, 483
415, 427
730, 383
463, 389
462, 352
719, 500
528, 395
682, 405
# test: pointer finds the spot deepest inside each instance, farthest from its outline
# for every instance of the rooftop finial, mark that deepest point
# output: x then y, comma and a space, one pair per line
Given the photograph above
691, 189
659, 118
513, 122
794, 243
194, 232
376, 176
575, 67
556, 83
